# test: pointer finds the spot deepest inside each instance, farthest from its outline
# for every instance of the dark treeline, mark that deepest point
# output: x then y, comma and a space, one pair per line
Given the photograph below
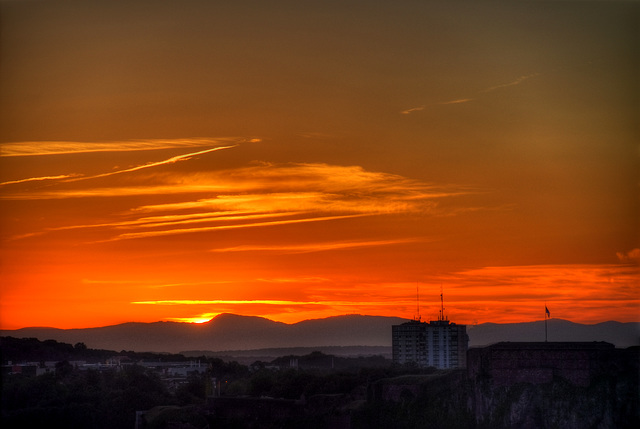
72, 397
320, 360
312, 391
19, 350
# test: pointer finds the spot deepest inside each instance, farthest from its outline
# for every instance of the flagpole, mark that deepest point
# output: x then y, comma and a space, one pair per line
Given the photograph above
546, 316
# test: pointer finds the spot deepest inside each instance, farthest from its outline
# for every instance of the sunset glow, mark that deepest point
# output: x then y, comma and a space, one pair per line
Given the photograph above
178, 161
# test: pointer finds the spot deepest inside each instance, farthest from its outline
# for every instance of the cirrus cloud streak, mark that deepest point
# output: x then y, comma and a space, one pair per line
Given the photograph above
314, 247
46, 148
300, 192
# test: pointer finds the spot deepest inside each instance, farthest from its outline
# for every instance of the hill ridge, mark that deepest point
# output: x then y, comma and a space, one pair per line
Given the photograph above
237, 332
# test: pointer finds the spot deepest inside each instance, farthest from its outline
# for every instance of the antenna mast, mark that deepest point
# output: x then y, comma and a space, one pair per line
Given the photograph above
442, 318
417, 317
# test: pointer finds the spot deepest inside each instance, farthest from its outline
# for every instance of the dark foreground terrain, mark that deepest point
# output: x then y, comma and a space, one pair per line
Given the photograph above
311, 391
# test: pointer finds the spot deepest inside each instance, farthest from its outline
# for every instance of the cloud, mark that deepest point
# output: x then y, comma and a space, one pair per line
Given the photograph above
632, 256
502, 294
459, 101
313, 247
310, 192
484, 91
111, 192
159, 221
311, 187
151, 284
221, 301
60, 147
555, 283
36, 179
171, 160
415, 109
279, 194
294, 280
151, 222
160, 233
236, 305
518, 81
589, 293
288, 184
57, 148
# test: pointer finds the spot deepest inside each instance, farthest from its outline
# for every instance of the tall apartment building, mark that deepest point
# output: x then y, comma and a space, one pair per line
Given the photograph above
440, 344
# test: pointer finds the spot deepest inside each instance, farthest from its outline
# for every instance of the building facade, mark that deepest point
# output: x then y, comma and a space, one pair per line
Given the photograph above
506, 363
439, 344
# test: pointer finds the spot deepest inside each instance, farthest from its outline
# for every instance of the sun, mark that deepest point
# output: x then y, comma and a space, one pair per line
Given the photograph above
203, 318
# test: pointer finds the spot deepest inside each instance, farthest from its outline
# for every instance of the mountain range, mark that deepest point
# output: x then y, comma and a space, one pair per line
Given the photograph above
235, 332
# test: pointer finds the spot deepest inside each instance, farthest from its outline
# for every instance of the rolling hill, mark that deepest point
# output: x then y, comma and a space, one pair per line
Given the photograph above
234, 332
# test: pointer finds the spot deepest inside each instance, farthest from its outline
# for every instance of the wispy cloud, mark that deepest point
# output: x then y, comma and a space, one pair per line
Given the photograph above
294, 280
37, 179
43, 148
61, 148
173, 220
283, 310
507, 293
572, 290
293, 183
458, 101
171, 160
202, 218
286, 193
221, 301
517, 81
161, 233
151, 284
132, 190
312, 187
314, 247
312, 192
414, 109
488, 294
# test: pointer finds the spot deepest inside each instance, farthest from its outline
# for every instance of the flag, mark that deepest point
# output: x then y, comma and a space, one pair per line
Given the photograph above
546, 310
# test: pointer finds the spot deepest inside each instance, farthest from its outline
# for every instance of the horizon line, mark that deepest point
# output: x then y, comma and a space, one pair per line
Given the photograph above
303, 320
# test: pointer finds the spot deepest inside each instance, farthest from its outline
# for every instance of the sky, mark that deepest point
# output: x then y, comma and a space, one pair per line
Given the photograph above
174, 160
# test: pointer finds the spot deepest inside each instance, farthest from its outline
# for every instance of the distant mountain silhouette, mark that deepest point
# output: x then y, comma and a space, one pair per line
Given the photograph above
620, 334
224, 332
234, 332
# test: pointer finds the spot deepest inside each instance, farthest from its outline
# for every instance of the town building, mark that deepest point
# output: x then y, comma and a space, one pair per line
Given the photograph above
506, 363
439, 344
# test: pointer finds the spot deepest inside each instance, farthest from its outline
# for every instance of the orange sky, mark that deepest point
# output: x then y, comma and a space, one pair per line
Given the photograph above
165, 160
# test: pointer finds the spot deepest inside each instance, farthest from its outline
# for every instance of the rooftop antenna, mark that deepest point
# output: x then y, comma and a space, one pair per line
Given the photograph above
417, 317
441, 318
